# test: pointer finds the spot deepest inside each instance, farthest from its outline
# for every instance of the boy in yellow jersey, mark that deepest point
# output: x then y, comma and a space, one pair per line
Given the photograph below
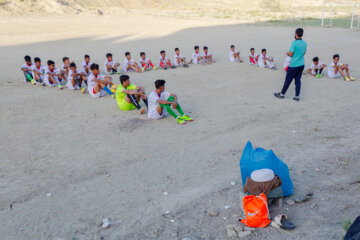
128, 95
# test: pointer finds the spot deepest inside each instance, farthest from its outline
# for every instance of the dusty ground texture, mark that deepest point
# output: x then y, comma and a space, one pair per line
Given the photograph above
99, 162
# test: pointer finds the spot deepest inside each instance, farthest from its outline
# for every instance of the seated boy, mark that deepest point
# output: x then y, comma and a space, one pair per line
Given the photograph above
287, 63
234, 56
97, 83
196, 58
316, 68
85, 65
130, 65
265, 61
111, 66
336, 69
146, 63
207, 56
162, 103
27, 70
38, 71
164, 62
52, 75
76, 78
65, 68
179, 60
253, 57
128, 95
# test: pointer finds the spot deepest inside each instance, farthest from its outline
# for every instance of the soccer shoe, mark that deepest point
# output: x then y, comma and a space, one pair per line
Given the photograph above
59, 86
155, 67
142, 69
83, 90
172, 67
318, 75
33, 82
180, 121
296, 99
186, 118
347, 79
279, 95
352, 79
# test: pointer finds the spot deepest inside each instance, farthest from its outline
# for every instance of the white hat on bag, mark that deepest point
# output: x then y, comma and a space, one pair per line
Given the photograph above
262, 175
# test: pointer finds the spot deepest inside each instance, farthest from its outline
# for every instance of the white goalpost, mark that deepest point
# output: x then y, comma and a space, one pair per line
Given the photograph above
332, 4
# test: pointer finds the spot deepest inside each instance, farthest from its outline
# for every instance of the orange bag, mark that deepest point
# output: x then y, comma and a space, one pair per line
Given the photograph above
256, 210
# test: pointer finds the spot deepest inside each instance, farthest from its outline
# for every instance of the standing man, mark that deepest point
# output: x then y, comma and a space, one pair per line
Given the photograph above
296, 67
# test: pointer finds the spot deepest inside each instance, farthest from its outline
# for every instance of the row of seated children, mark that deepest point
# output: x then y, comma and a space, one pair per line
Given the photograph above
262, 60
336, 69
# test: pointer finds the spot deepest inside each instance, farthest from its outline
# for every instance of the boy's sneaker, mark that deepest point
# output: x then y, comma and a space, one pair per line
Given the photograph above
296, 99
142, 69
186, 66
186, 118
33, 82
273, 68
172, 67
83, 90
180, 121
279, 95
352, 79
59, 86
347, 79
318, 75
155, 67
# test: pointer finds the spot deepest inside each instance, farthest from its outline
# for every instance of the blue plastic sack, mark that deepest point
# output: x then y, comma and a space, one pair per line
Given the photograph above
259, 158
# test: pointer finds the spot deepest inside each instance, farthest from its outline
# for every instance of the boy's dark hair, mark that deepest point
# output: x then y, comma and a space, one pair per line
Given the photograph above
72, 64
65, 58
205, 47
159, 83
162, 51
232, 46
27, 58
252, 49
94, 66
36, 59
196, 47
176, 49
299, 32
124, 78
86, 56
263, 50
315, 59
126, 54
50, 62
336, 56
108, 55
142, 53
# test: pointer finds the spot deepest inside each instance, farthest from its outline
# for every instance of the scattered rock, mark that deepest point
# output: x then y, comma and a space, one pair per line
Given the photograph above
186, 238
313, 205
105, 223
213, 212
167, 212
249, 229
302, 199
231, 233
244, 234
233, 183
238, 228
49, 194
227, 206
100, 12
290, 202
99, 223
166, 193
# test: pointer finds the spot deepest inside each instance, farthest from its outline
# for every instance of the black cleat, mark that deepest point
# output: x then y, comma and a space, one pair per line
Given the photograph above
279, 95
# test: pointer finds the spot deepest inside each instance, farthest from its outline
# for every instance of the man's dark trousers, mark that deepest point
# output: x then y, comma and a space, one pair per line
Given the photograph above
293, 72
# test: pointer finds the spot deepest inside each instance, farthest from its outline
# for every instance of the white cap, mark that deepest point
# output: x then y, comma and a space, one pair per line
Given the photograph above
262, 175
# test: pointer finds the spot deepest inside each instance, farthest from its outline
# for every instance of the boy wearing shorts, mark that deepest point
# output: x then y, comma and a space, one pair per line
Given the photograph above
146, 63
85, 65
52, 76
164, 62
316, 68
207, 56
26, 68
38, 71
234, 56
76, 78
265, 61
98, 83
130, 65
253, 57
336, 69
111, 66
179, 60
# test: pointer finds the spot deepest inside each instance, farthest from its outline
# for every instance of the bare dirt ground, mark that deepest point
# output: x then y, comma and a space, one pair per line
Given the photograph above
99, 162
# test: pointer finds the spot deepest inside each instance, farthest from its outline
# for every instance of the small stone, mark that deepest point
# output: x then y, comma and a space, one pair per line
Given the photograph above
186, 238
105, 223
233, 183
313, 205
238, 228
244, 234
227, 206
231, 233
99, 223
318, 170
166, 193
167, 212
290, 202
213, 212
249, 229
49, 194
172, 220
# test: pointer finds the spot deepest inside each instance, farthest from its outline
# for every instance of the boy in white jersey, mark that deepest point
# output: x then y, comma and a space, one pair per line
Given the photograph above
85, 65
164, 62
52, 75
234, 56
38, 71
316, 68
97, 83
179, 60
111, 66
146, 63
265, 61
253, 57
65, 67
207, 56
26, 68
76, 78
130, 65
196, 57
162, 103
336, 69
